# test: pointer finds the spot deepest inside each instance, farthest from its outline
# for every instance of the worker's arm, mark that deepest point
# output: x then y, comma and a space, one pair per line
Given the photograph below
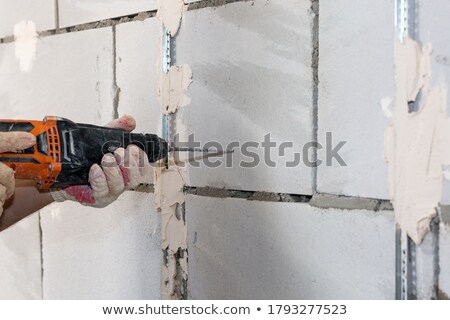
118, 172
26, 200
12, 142
107, 183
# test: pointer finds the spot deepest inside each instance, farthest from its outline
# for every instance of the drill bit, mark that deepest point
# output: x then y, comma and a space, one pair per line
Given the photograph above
207, 153
185, 149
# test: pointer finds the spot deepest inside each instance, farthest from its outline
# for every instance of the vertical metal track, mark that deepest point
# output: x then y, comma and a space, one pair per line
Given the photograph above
405, 267
405, 22
166, 63
168, 134
417, 266
406, 279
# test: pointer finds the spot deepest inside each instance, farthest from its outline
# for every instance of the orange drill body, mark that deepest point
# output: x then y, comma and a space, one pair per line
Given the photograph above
42, 162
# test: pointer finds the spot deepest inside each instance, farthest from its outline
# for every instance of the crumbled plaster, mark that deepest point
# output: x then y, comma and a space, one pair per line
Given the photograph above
169, 177
169, 184
200, 4
327, 201
25, 37
169, 197
441, 295
417, 144
211, 192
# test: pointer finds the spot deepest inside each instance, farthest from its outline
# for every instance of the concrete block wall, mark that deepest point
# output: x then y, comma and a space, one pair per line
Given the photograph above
240, 249
356, 68
252, 80
256, 77
68, 251
42, 13
102, 254
429, 31
259, 67
21, 263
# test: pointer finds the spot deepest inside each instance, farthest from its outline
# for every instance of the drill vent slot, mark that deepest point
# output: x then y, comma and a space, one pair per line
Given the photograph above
53, 144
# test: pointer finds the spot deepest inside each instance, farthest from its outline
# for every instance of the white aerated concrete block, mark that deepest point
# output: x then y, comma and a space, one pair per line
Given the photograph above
73, 12
356, 72
70, 76
111, 253
20, 260
252, 76
41, 13
431, 23
240, 249
138, 72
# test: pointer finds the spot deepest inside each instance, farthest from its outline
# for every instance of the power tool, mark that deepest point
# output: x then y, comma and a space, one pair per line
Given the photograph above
65, 150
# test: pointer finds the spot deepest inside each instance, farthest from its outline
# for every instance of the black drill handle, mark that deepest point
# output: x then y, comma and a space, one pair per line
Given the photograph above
83, 145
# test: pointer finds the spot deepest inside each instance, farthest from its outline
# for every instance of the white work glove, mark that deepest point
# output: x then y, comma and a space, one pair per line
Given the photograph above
123, 170
11, 142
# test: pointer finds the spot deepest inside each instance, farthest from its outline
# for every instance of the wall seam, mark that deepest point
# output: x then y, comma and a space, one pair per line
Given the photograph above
56, 14
315, 91
104, 23
318, 200
330, 201
212, 3
42, 254
115, 87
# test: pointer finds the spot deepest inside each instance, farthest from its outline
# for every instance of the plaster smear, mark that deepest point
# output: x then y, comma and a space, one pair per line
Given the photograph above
169, 196
173, 87
417, 144
170, 13
25, 37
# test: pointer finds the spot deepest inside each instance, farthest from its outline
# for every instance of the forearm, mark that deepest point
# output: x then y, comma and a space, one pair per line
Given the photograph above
26, 200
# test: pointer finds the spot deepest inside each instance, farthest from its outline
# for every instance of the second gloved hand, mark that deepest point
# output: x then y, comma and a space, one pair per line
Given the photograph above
11, 142
123, 170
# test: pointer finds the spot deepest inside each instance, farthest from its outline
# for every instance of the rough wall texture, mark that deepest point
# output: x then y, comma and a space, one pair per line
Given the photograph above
42, 13
242, 249
254, 78
258, 67
429, 31
356, 68
110, 253
102, 254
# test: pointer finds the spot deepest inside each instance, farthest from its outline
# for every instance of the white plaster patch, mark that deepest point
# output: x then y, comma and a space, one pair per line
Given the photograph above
173, 87
170, 13
25, 37
417, 144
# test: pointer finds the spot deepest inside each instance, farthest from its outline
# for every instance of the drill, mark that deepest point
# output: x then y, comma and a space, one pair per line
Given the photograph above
65, 150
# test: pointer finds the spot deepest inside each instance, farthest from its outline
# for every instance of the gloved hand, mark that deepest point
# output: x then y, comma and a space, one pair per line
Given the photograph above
123, 170
11, 142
